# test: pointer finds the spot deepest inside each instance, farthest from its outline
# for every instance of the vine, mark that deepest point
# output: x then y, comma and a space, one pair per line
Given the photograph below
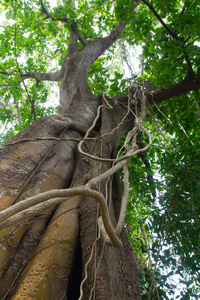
38, 203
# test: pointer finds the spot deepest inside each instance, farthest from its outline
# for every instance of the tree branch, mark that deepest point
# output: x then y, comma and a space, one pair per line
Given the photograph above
54, 76
175, 36
177, 89
77, 33
44, 10
64, 20
160, 20
116, 32
165, 93
114, 35
102, 44
182, 11
6, 73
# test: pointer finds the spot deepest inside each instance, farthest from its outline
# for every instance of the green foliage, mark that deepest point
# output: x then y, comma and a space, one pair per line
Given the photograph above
171, 221
164, 56
118, 84
98, 77
164, 228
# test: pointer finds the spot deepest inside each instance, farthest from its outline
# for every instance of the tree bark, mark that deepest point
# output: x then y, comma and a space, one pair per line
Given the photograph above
37, 255
112, 273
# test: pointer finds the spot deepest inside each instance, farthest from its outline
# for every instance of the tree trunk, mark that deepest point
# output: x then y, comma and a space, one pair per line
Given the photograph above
40, 255
111, 272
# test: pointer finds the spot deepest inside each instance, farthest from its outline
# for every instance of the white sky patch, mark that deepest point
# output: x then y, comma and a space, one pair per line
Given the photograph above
132, 66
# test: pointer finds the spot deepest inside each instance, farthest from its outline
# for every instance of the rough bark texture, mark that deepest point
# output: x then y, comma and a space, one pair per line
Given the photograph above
112, 273
36, 259
36, 256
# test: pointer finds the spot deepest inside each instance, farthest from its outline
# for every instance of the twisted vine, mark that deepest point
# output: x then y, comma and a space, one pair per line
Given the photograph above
38, 203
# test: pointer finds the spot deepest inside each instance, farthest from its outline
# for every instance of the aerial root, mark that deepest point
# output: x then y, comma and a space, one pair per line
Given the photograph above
36, 204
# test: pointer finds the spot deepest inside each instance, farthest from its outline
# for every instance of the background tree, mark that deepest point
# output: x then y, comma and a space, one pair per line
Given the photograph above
55, 171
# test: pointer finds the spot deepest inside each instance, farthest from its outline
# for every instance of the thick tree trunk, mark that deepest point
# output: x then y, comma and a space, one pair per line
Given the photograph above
38, 255
18, 163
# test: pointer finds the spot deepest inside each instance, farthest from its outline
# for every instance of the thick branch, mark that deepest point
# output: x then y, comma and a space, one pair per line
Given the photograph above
44, 10
114, 35
100, 45
161, 94
77, 33
55, 76
177, 89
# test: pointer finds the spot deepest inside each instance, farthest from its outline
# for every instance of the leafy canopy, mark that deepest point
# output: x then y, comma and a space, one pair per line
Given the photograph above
164, 228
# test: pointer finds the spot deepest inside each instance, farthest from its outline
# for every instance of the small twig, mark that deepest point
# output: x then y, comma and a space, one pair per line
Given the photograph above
185, 132
191, 42
43, 19
182, 11
6, 73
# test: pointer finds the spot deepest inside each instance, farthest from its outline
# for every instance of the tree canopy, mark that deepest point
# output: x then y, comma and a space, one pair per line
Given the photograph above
163, 210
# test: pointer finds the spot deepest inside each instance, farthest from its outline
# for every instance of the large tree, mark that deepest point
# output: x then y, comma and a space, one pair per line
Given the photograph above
62, 216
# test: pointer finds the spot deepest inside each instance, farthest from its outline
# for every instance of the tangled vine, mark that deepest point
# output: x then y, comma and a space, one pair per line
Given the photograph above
36, 204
